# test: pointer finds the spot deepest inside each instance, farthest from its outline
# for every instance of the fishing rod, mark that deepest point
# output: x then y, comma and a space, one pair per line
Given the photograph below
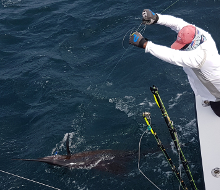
173, 134
146, 116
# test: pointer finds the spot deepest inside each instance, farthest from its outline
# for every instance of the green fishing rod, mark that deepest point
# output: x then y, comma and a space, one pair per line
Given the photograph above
173, 134
146, 117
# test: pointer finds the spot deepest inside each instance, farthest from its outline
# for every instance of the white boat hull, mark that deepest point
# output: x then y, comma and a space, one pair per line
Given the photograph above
209, 136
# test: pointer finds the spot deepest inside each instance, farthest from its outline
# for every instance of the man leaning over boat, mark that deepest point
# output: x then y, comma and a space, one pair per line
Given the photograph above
194, 50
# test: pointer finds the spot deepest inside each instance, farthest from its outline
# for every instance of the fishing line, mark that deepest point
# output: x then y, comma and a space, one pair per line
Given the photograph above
126, 49
132, 31
143, 29
146, 130
140, 31
139, 158
125, 37
169, 6
108, 76
30, 180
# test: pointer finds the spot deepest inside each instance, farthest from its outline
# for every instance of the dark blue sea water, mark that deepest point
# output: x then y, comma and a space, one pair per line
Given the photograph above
63, 69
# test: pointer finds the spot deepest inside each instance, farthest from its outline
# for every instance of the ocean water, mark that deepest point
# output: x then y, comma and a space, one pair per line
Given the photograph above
65, 68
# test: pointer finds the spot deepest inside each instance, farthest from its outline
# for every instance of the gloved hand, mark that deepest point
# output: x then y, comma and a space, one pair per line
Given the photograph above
149, 17
137, 39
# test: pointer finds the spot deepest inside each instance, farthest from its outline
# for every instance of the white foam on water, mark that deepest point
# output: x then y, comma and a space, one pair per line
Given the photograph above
190, 128
130, 105
7, 3
125, 104
174, 101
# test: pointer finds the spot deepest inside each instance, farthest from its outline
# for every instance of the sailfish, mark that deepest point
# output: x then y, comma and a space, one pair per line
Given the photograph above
113, 161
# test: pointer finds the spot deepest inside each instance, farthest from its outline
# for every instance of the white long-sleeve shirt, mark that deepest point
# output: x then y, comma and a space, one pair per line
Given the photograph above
201, 65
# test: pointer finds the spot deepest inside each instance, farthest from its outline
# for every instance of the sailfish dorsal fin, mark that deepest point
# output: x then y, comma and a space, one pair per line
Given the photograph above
68, 148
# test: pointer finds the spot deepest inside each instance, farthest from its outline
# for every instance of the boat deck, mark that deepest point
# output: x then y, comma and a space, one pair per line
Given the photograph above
209, 136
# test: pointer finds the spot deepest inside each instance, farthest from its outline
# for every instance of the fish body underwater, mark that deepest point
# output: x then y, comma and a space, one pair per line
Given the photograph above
113, 161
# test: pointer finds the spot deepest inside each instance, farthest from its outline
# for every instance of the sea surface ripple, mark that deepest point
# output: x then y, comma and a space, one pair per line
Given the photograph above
65, 68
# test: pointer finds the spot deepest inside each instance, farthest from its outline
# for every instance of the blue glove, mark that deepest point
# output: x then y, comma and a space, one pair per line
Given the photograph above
137, 39
149, 17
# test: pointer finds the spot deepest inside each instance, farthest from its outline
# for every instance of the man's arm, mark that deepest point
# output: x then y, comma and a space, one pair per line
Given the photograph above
191, 59
172, 22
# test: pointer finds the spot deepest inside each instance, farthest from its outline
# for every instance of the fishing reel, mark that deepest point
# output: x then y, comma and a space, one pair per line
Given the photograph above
147, 116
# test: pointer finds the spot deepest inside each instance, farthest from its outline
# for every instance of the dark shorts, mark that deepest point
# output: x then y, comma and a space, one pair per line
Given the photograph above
215, 107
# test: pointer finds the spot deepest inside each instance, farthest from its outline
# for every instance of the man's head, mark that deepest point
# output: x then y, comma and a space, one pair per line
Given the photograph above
188, 38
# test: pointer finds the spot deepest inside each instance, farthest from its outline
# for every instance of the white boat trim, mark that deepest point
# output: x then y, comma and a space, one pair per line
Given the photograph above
209, 137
